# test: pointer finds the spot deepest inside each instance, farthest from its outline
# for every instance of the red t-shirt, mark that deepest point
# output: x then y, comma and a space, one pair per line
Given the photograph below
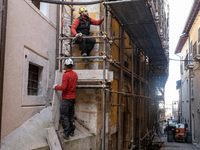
68, 87
76, 23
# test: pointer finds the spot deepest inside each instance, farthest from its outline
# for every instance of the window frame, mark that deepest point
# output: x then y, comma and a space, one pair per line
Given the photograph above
192, 88
43, 7
191, 53
32, 57
199, 40
186, 60
33, 79
36, 3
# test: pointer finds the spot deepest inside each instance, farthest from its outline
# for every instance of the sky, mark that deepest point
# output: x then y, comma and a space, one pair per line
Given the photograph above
179, 11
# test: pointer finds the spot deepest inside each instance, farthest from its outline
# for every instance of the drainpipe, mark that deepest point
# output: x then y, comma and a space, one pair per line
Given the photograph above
180, 101
190, 91
3, 7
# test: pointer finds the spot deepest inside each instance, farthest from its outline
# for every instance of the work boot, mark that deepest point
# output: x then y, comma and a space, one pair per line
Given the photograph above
84, 55
65, 136
90, 60
71, 133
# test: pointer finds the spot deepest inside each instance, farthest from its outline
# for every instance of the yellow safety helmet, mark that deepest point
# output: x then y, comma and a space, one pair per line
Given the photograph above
82, 9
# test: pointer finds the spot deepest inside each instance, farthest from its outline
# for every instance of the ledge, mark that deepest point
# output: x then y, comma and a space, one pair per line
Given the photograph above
94, 75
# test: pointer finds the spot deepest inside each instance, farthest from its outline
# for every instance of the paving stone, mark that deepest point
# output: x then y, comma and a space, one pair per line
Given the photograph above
178, 146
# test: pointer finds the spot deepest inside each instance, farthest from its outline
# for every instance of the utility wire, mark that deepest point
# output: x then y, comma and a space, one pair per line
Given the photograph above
183, 60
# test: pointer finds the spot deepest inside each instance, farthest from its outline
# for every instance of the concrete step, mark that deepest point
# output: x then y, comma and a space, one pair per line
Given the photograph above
81, 140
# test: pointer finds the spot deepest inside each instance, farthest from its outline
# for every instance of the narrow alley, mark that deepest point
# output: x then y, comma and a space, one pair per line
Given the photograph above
92, 75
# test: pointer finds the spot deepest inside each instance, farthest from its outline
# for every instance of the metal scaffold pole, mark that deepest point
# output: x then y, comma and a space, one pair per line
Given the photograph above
70, 31
132, 91
104, 75
140, 113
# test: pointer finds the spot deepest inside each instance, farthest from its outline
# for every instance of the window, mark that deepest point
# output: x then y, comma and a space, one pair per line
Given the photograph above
195, 49
181, 68
186, 61
43, 7
192, 88
199, 40
36, 3
33, 80
191, 52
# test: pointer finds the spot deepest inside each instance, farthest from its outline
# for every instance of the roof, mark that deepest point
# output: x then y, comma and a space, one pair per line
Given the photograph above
138, 22
181, 42
193, 13
188, 25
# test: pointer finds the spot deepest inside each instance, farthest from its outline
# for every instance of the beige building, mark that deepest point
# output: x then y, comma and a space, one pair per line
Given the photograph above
29, 66
189, 48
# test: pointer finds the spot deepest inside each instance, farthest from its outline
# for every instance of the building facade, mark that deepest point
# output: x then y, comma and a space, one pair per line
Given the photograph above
189, 48
29, 66
175, 109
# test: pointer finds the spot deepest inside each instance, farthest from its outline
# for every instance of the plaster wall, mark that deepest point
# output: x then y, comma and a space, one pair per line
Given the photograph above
195, 102
29, 32
185, 116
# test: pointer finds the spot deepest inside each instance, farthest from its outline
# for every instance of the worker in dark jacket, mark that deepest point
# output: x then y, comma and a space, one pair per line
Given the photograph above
68, 88
81, 27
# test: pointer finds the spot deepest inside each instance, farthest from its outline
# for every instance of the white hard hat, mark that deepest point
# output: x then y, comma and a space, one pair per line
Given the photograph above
69, 61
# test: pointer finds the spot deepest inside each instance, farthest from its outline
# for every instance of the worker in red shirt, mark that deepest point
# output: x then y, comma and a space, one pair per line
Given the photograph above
81, 27
68, 88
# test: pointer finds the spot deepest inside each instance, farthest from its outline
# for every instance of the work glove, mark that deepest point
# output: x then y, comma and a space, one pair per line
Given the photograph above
54, 86
78, 35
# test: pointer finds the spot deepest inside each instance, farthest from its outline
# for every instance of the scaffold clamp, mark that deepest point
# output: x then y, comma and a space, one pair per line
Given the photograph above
59, 58
104, 35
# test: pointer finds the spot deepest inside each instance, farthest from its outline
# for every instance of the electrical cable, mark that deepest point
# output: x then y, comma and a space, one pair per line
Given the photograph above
70, 3
183, 60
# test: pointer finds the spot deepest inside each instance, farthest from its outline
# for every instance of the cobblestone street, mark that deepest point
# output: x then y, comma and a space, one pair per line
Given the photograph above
178, 146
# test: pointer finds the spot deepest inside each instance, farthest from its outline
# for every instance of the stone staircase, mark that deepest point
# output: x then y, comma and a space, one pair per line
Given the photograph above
31, 135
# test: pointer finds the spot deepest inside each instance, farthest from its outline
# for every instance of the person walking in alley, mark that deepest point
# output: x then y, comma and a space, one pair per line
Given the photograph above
68, 88
81, 27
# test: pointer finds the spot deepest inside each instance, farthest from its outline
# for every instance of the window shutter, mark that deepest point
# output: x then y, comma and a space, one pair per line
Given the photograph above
199, 40
198, 35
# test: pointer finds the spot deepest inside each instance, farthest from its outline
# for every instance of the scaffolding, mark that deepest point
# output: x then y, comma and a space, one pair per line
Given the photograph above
142, 81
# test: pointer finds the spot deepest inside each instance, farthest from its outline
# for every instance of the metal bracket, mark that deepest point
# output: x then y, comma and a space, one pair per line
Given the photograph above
123, 92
